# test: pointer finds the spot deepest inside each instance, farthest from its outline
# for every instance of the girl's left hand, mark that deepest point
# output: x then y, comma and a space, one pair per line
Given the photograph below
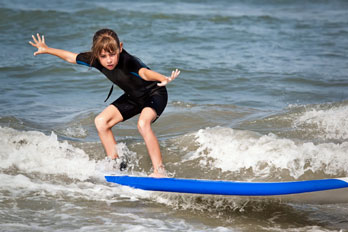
174, 75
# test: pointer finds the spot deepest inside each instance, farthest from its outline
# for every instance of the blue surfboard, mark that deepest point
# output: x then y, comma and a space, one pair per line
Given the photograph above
218, 187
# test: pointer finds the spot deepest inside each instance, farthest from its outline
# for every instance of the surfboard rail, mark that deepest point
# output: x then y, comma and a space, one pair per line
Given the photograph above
223, 187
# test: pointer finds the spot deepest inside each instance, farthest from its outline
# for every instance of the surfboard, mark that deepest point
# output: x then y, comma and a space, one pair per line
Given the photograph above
220, 187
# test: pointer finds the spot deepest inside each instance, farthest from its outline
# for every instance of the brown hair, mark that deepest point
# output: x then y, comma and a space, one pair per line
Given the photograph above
104, 39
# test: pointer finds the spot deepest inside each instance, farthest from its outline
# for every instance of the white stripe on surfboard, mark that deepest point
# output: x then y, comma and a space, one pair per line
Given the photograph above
345, 179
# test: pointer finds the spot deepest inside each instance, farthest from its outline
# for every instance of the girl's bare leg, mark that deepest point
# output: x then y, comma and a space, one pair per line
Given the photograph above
104, 122
144, 126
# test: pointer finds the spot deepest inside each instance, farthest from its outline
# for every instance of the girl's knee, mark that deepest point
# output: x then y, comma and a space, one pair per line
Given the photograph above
143, 126
100, 123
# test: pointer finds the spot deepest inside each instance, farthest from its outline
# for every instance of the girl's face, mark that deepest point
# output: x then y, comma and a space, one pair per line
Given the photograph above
109, 60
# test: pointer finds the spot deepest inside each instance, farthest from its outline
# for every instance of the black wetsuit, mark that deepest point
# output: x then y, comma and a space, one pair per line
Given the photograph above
138, 92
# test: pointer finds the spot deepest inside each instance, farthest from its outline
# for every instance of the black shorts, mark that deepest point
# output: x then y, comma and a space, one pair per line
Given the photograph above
130, 107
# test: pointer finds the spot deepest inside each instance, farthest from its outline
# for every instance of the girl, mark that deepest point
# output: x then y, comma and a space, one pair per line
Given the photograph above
144, 90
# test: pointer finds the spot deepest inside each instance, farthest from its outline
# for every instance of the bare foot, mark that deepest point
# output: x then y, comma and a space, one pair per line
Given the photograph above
158, 175
159, 172
114, 156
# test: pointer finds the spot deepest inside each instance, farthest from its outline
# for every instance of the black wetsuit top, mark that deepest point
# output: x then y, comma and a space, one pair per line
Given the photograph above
139, 93
125, 75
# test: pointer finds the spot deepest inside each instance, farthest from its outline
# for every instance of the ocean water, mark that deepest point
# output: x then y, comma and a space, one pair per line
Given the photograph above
262, 96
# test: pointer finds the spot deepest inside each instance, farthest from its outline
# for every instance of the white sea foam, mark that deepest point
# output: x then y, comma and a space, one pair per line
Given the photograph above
68, 169
39, 154
21, 185
329, 123
235, 150
75, 131
34, 151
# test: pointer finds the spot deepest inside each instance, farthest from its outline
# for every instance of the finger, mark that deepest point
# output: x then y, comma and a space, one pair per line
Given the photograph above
32, 44
34, 39
177, 73
163, 83
43, 39
38, 37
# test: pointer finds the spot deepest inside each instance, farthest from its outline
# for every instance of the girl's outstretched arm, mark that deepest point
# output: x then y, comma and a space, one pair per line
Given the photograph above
150, 75
42, 48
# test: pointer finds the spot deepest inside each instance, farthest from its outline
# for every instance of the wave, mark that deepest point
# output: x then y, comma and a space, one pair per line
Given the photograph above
216, 152
269, 157
35, 164
318, 123
325, 121
43, 168
35, 152
305, 142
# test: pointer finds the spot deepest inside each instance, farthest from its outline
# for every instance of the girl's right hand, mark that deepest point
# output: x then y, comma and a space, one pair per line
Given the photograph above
40, 44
